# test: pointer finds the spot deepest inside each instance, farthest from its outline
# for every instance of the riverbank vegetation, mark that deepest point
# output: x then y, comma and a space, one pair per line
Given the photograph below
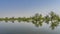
37, 19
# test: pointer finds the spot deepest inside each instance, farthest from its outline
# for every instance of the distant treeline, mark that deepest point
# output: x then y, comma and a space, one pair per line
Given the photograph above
37, 19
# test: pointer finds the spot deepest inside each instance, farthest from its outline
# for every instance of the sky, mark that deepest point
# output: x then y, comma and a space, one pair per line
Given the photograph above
21, 8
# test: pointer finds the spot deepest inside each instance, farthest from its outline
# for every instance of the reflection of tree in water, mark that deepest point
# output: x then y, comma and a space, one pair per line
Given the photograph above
19, 19
37, 19
12, 19
54, 24
6, 19
38, 23
47, 19
53, 18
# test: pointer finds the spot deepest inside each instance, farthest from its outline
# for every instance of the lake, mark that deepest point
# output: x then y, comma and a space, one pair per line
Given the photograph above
27, 28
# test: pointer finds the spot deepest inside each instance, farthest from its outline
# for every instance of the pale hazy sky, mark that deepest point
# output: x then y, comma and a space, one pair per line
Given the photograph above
18, 8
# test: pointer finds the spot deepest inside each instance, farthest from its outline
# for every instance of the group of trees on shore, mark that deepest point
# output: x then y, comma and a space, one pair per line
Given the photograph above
37, 19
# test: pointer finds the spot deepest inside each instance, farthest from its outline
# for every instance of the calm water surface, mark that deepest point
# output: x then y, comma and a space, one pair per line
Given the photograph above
26, 28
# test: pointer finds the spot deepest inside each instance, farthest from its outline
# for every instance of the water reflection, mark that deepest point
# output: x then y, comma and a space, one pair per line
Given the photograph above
53, 24
38, 20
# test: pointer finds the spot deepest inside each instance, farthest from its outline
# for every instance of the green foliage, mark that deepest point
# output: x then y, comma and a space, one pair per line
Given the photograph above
37, 19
